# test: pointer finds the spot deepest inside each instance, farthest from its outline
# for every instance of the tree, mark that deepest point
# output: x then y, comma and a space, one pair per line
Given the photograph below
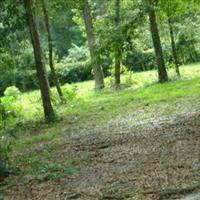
39, 61
118, 53
98, 73
170, 10
173, 46
162, 72
50, 46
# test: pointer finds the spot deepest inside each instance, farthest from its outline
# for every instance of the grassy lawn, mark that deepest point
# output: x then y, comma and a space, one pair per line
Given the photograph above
89, 109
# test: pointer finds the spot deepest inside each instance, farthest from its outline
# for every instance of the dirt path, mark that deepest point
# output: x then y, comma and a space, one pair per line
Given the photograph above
128, 162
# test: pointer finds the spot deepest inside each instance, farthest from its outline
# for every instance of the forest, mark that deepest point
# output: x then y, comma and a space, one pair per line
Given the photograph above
100, 99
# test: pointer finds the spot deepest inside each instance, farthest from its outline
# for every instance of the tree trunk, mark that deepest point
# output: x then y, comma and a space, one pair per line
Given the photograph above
51, 63
40, 66
98, 73
173, 46
117, 52
117, 67
162, 72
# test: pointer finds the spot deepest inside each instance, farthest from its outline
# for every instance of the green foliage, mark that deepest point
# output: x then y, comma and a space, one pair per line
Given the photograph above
74, 72
11, 95
77, 54
140, 60
69, 94
12, 92
17, 66
9, 109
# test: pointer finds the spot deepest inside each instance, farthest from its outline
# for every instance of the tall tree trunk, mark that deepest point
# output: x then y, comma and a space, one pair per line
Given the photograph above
51, 63
117, 66
173, 46
98, 73
162, 72
117, 52
39, 61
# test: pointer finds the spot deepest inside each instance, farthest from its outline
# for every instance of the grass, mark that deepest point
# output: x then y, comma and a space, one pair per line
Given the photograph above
88, 109
48, 164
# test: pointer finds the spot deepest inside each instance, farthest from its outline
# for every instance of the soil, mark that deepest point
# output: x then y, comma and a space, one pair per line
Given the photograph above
152, 160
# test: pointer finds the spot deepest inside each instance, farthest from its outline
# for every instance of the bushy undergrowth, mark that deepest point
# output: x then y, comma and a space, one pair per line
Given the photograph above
74, 72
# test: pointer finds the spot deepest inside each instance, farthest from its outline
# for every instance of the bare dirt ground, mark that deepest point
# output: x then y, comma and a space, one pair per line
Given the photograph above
153, 160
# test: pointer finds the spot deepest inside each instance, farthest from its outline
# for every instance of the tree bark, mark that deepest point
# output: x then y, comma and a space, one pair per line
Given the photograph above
173, 46
98, 73
162, 72
50, 46
118, 53
39, 61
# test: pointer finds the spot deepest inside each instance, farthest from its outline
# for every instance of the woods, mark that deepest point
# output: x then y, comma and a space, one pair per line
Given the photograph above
99, 93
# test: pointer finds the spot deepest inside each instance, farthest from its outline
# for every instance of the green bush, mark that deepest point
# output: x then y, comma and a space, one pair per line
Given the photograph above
26, 80
69, 94
9, 108
13, 92
140, 61
77, 54
73, 72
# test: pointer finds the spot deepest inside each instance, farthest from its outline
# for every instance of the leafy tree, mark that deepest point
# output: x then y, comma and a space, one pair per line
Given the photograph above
170, 10
98, 73
118, 51
40, 66
50, 46
162, 72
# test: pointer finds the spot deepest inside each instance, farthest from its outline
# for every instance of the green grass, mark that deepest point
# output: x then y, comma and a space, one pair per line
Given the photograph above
26, 142
89, 109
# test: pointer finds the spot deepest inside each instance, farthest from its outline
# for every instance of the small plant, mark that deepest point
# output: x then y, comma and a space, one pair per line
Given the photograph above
8, 107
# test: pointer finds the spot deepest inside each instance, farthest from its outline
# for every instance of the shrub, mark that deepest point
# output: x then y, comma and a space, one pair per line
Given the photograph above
74, 72
13, 92
69, 94
24, 80
77, 54
140, 61
9, 108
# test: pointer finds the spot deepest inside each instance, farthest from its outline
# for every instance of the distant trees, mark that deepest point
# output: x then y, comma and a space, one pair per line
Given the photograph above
39, 61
